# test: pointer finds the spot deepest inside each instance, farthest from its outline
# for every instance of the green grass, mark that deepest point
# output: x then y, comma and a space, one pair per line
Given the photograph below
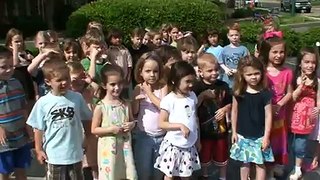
287, 19
315, 2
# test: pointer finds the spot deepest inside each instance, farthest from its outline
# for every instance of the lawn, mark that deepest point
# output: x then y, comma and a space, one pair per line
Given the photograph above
287, 19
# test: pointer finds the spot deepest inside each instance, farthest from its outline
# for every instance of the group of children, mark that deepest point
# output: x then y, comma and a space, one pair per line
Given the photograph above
158, 109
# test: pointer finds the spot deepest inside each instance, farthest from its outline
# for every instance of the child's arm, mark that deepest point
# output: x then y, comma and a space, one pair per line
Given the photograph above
296, 93
96, 125
285, 99
41, 155
15, 55
234, 120
268, 125
37, 60
136, 98
221, 113
129, 125
166, 125
154, 99
205, 95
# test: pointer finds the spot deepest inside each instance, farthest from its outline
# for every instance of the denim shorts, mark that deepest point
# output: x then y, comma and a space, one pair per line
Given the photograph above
18, 158
299, 144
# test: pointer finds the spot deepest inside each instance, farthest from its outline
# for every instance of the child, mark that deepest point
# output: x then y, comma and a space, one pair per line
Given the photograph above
79, 84
211, 43
304, 111
112, 123
120, 55
174, 34
231, 54
146, 38
251, 118
188, 46
146, 105
178, 154
214, 102
164, 31
93, 48
41, 40
71, 50
21, 61
14, 148
270, 29
272, 52
155, 39
56, 120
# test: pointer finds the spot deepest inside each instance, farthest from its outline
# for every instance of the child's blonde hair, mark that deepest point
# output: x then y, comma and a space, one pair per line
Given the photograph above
206, 58
187, 43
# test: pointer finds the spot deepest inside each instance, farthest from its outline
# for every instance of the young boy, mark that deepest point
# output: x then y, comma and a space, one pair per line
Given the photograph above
14, 148
214, 102
56, 120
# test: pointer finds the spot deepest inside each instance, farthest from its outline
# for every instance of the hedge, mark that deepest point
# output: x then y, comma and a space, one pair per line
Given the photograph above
193, 15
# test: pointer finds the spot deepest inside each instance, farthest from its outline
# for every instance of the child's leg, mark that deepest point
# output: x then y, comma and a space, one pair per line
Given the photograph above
20, 174
207, 150
244, 171
260, 171
168, 178
95, 173
316, 156
4, 176
220, 156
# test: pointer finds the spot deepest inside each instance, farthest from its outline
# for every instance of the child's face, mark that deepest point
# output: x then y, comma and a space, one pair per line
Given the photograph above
136, 41
150, 72
40, 42
17, 42
116, 41
213, 40
77, 81
308, 64
71, 55
146, 39
165, 35
234, 36
59, 85
277, 54
252, 76
94, 47
170, 62
114, 85
157, 40
189, 55
210, 72
186, 84
6, 68
174, 33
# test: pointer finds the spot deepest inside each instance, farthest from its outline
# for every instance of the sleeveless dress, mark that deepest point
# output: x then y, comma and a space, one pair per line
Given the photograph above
115, 157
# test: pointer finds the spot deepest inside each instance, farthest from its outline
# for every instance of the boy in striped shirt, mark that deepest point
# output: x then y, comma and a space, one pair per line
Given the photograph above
15, 153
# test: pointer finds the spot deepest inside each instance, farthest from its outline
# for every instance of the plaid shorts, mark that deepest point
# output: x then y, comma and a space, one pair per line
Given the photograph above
64, 172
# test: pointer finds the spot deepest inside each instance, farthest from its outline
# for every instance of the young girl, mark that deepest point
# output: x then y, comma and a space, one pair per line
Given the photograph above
112, 122
21, 61
178, 154
270, 29
174, 34
273, 52
164, 30
41, 40
146, 105
304, 111
71, 50
188, 47
210, 43
251, 118
231, 54
155, 39
79, 84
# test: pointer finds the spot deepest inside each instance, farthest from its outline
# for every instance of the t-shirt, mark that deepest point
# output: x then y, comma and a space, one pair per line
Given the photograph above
120, 56
12, 105
251, 113
209, 128
86, 65
59, 117
181, 110
230, 57
216, 51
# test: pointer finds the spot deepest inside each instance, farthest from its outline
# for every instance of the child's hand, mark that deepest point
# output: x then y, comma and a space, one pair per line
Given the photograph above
234, 71
146, 87
220, 114
265, 143
185, 131
229, 72
3, 136
117, 129
128, 126
275, 109
234, 138
41, 156
94, 52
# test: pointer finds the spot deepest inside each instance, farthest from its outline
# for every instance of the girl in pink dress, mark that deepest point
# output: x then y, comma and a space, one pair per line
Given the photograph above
273, 53
304, 109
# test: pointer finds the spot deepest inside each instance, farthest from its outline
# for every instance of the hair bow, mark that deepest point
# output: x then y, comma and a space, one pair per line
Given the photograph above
272, 34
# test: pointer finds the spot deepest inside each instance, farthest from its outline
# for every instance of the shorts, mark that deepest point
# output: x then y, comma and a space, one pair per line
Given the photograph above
299, 144
70, 172
215, 151
18, 158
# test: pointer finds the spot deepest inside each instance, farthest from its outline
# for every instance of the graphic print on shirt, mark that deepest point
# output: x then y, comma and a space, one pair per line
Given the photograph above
62, 117
188, 110
233, 59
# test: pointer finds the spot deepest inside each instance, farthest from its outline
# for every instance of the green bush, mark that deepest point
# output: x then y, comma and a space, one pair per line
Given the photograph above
293, 41
193, 15
310, 37
248, 12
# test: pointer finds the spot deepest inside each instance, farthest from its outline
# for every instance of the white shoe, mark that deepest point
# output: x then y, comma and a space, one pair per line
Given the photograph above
295, 176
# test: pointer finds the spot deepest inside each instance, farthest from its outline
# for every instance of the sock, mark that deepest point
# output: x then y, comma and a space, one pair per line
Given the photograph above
297, 170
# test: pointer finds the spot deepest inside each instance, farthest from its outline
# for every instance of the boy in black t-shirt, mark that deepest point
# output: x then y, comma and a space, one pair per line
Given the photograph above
214, 102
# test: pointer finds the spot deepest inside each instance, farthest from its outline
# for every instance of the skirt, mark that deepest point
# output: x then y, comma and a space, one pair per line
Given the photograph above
249, 151
177, 161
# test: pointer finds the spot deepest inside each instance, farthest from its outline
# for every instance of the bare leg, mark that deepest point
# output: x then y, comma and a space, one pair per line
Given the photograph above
204, 170
167, 178
260, 171
244, 171
223, 171
20, 174
4, 177
95, 174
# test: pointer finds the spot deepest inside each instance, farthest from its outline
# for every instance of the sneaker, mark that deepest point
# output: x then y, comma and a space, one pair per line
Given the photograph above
295, 176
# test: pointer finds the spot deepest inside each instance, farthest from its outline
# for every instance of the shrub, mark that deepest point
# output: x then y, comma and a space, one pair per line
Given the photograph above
193, 15
293, 41
310, 37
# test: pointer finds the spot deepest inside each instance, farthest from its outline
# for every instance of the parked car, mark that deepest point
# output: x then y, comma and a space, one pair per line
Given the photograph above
300, 5
256, 2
